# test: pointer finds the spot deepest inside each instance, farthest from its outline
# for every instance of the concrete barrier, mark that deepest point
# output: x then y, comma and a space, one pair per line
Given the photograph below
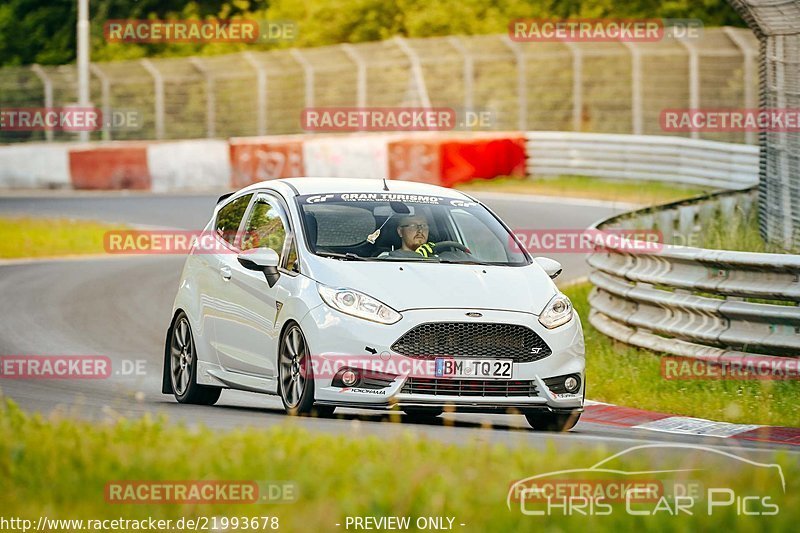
188, 165
449, 160
108, 167
438, 158
254, 159
351, 156
35, 166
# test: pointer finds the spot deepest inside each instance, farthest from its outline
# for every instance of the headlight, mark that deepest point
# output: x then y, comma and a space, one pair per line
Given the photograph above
358, 304
557, 312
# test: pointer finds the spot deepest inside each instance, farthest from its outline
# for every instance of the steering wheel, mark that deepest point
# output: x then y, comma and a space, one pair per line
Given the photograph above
452, 244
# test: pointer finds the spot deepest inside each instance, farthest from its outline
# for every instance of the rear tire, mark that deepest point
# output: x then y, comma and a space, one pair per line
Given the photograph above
183, 366
552, 421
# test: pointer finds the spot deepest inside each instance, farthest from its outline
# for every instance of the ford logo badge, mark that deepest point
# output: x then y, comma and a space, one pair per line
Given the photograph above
474, 315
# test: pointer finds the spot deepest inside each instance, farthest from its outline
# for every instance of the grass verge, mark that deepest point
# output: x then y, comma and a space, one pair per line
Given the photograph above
36, 237
739, 232
60, 468
638, 192
624, 375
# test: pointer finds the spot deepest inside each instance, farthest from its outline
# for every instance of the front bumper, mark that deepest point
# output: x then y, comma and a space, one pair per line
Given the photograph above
337, 340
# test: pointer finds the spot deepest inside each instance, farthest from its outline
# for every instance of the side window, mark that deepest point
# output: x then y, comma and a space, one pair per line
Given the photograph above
266, 228
229, 217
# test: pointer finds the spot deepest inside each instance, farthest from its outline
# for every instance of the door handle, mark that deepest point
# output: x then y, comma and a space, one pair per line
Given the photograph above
225, 272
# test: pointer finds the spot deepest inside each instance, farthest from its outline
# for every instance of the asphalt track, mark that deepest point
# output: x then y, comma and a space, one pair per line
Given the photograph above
120, 306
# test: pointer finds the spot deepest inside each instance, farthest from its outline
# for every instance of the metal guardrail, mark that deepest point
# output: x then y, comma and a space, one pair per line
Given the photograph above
695, 302
643, 157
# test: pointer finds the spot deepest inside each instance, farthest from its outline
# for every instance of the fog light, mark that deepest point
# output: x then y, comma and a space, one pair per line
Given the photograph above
349, 378
572, 384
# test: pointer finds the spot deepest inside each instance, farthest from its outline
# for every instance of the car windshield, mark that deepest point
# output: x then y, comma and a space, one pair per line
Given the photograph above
406, 227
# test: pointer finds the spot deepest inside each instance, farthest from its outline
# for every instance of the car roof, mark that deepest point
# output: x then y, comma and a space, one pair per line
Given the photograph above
304, 186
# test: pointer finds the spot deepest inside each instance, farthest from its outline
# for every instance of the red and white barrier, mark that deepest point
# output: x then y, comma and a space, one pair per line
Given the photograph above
35, 166
206, 164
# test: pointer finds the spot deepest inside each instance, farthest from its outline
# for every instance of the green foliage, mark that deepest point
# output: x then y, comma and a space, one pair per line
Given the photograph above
43, 31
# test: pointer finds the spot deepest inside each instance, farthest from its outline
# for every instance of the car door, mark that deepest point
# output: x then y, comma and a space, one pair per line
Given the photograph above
246, 339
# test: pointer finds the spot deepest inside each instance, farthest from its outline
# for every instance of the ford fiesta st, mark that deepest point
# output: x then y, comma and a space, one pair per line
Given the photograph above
373, 294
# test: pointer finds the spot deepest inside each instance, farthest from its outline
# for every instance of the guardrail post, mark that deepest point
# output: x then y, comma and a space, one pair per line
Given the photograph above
416, 69
577, 85
158, 90
211, 112
694, 79
261, 92
105, 89
522, 85
749, 56
361, 81
48, 94
469, 71
636, 88
308, 71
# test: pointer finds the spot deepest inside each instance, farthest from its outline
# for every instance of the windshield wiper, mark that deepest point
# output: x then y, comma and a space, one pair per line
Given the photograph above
468, 262
349, 256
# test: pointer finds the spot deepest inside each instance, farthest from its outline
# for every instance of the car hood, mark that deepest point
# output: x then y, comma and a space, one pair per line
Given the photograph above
406, 285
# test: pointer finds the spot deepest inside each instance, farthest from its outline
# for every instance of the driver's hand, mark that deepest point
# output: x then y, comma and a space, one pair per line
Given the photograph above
426, 250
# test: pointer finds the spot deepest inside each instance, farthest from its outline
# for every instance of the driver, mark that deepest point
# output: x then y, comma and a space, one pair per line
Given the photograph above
413, 231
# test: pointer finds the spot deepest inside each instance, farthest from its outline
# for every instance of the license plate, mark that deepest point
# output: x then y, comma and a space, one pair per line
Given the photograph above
447, 367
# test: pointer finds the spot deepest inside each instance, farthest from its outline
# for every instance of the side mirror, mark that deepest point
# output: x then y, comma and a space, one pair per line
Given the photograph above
265, 260
552, 267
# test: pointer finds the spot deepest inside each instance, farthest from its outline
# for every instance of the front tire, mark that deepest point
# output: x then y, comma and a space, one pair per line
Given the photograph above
295, 377
183, 366
552, 421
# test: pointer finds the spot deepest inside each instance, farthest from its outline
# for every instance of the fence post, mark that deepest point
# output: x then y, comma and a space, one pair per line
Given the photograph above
105, 89
48, 94
416, 69
694, 79
577, 85
261, 92
749, 55
211, 111
158, 90
308, 70
522, 85
636, 88
361, 81
469, 71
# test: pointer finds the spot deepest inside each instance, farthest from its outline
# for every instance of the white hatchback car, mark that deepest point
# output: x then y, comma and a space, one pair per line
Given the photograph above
372, 294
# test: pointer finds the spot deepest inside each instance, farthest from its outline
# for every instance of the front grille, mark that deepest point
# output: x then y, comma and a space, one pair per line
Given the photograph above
470, 387
470, 339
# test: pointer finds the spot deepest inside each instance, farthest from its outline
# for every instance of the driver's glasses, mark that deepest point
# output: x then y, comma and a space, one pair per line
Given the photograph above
416, 227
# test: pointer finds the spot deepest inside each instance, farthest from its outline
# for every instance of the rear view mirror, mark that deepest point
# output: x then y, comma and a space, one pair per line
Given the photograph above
265, 260
394, 208
552, 267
